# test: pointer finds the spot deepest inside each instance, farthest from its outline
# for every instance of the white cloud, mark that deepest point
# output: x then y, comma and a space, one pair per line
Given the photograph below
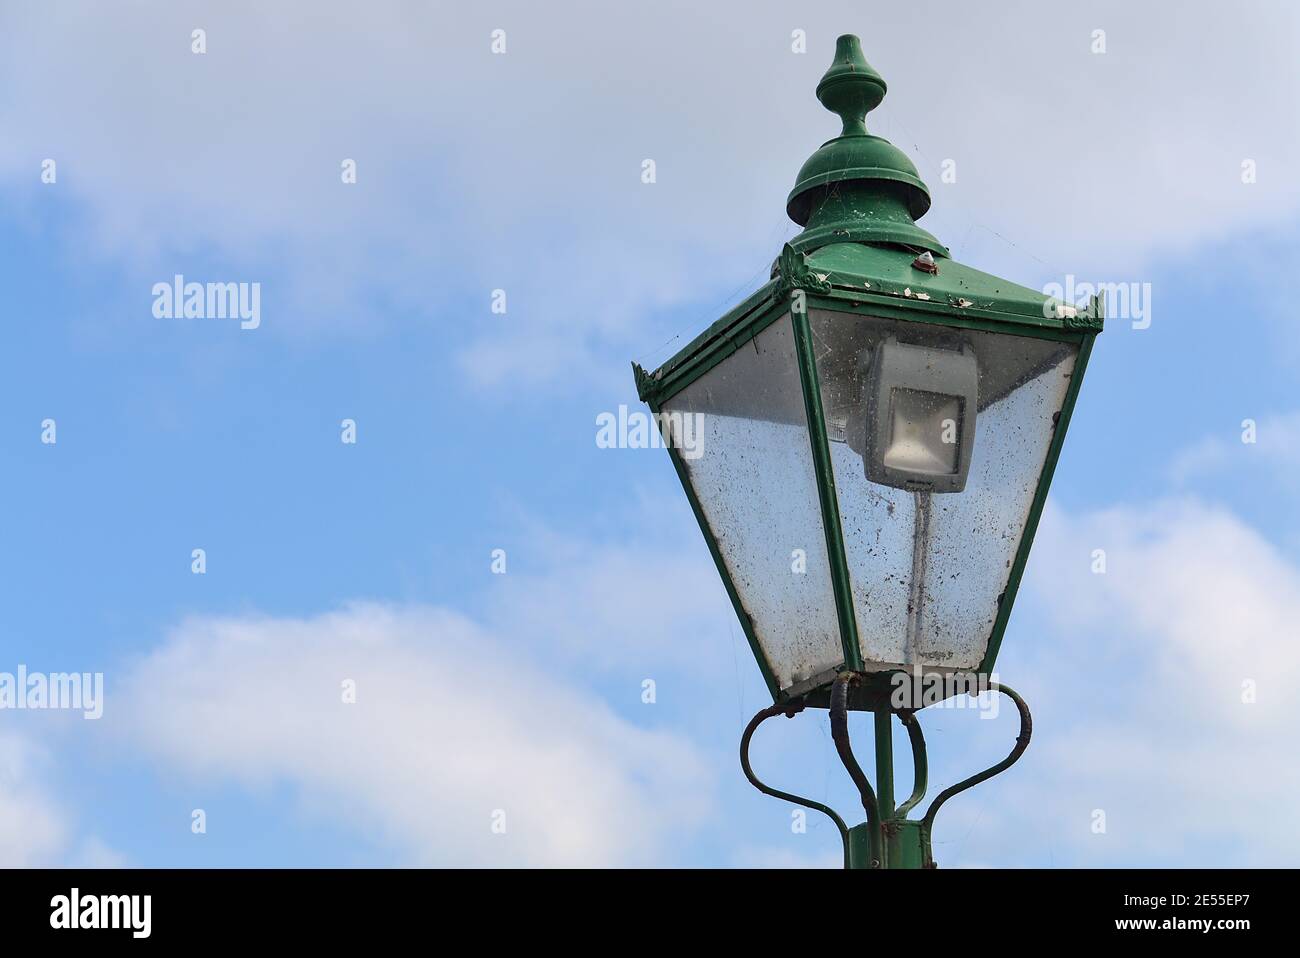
522, 171
450, 724
1276, 448
1137, 689
1214, 602
33, 829
612, 606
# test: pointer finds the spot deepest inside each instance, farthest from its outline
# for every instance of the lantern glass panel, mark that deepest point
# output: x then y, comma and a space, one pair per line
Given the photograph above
939, 436
752, 475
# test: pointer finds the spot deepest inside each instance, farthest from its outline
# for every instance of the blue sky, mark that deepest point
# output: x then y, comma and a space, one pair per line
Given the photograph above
476, 430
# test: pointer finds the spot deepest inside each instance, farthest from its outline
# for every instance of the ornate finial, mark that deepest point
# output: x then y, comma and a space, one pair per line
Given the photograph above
858, 188
851, 87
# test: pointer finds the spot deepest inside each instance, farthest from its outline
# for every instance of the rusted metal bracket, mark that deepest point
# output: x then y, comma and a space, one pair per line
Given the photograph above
840, 735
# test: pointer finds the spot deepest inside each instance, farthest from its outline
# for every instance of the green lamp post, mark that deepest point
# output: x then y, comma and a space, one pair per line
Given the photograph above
879, 425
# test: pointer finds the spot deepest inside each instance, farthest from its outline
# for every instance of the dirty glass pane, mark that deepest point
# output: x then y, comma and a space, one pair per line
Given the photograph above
752, 473
927, 567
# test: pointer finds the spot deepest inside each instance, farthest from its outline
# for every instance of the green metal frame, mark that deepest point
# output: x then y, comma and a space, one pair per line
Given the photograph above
797, 289
830, 503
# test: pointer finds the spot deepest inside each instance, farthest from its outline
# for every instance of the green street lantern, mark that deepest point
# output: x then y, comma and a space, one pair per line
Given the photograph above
875, 432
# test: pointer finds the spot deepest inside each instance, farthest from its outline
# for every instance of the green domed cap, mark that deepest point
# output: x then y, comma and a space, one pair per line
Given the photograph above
875, 167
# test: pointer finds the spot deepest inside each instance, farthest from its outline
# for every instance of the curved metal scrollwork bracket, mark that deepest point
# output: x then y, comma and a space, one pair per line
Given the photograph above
920, 768
789, 710
875, 827
1022, 743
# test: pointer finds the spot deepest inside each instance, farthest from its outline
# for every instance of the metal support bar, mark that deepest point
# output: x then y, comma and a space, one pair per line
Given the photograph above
884, 764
